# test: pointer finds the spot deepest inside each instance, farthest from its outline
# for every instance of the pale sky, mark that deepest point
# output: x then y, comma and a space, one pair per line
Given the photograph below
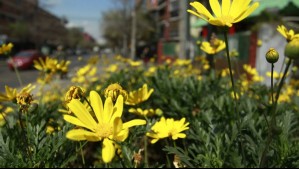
83, 13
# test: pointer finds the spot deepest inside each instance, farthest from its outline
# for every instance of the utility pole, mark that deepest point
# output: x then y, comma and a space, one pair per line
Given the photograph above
184, 29
133, 36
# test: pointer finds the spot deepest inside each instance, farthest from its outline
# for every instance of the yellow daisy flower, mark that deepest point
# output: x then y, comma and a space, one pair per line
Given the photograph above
135, 63
4, 111
146, 112
48, 65
214, 47
63, 66
250, 70
168, 128
182, 62
138, 96
6, 48
93, 60
112, 68
226, 14
257, 78
225, 72
107, 125
289, 35
11, 93
86, 74
151, 71
276, 75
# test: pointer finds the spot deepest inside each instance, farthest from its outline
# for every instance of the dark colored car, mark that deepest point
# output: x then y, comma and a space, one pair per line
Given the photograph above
24, 59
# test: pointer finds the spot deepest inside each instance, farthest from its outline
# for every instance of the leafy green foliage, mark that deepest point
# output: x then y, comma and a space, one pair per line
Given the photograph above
217, 136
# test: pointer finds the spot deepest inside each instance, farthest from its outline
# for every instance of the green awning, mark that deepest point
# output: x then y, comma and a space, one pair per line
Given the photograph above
199, 23
264, 4
273, 4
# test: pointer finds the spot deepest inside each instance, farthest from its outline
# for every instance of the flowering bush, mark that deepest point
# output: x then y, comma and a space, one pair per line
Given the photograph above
176, 114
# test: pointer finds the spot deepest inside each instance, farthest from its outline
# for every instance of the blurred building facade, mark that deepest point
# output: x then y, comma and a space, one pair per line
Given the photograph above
260, 25
27, 25
173, 37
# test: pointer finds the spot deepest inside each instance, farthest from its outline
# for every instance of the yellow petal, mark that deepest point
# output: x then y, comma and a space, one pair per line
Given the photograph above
225, 7
220, 47
108, 110
196, 14
206, 47
182, 121
7, 90
76, 121
179, 135
118, 107
153, 141
131, 110
81, 112
149, 93
97, 105
215, 7
235, 8
296, 36
248, 12
3, 97
37, 65
281, 30
122, 135
291, 32
108, 151
217, 22
135, 122
81, 134
117, 126
201, 10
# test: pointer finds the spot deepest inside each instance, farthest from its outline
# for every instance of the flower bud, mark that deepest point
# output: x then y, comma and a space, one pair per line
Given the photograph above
74, 92
24, 100
259, 43
114, 90
272, 55
292, 49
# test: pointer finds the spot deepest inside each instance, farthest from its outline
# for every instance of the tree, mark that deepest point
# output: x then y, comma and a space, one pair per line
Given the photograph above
117, 25
20, 30
75, 37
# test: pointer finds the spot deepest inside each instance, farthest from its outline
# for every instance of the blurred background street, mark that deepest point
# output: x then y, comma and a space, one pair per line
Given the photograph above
138, 29
8, 77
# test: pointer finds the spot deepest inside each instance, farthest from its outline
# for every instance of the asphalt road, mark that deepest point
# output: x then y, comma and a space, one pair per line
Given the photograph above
8, 77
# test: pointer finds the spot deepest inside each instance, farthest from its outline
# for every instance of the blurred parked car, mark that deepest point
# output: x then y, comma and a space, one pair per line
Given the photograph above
24, 59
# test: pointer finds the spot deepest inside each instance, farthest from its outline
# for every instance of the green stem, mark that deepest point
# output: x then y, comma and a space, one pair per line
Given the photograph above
167, 157
89, 104
231, 75
82, 154
23, 133
284, 59
26, 135
145, 146
145, 152
268, 125
174, 144
273, 117
235, 95
17, 71
282, 81
272, 90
